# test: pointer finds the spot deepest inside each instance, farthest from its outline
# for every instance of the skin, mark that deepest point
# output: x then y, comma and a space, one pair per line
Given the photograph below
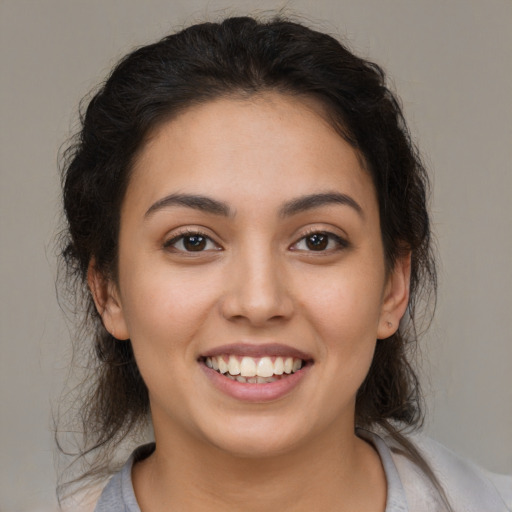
256, 281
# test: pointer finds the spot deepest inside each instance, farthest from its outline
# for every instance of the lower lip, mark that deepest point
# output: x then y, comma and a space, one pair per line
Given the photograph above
247, 392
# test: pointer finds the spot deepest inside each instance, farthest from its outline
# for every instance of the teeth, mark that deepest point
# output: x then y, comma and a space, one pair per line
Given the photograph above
279, 366
223, 366
266, 380
253, 380
251, 370
247, 367
233, 366
265, 367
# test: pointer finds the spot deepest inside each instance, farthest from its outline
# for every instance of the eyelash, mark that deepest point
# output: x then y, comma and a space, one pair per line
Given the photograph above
340, 242
170, 244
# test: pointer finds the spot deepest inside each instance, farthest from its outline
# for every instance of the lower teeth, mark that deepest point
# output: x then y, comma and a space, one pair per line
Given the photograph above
252, 380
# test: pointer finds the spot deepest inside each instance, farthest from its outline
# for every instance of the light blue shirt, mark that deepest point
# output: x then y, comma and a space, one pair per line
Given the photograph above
468, 487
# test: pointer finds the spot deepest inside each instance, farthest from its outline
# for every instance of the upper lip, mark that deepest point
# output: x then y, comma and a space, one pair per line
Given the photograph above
257, 350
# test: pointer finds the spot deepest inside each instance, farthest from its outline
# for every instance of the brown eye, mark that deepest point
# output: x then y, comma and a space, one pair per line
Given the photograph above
194, 243
320, 241
317, 241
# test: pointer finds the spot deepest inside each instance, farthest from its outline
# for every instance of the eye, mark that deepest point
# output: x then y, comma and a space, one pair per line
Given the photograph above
191, 242
320, 241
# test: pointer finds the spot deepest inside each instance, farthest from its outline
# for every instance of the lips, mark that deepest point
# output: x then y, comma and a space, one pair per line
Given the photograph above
258, 350
255, 372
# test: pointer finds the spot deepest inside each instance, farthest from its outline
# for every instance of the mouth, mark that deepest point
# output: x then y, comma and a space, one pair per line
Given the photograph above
254, 370
256, 373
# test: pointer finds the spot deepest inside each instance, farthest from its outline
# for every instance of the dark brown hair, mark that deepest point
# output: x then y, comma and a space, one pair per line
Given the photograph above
240, 56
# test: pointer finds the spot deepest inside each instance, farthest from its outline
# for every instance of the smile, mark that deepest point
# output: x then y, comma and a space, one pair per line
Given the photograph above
251, 370
256, 373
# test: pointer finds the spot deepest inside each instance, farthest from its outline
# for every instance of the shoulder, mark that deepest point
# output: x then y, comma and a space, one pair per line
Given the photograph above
118, 494
468, 487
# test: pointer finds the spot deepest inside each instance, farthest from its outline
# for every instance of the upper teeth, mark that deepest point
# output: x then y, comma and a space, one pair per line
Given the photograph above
252, 367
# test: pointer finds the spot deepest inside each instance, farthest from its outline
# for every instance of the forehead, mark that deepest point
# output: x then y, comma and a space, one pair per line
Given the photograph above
241, 148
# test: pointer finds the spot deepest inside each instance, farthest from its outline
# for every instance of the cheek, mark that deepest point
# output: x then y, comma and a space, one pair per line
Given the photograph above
165, 308
345, 305
166, 313
345, 311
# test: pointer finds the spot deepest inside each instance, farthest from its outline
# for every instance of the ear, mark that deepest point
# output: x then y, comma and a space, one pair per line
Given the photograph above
396, 297
107, 301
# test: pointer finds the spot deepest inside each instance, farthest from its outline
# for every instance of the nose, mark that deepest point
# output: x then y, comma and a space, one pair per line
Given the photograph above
257, 291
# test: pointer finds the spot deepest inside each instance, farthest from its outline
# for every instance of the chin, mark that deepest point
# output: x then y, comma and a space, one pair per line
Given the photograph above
249, 447
255, 439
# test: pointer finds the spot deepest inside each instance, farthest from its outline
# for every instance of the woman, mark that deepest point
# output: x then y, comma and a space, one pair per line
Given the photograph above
249, 214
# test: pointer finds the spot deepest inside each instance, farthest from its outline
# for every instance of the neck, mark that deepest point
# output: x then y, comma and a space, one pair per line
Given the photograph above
335, 472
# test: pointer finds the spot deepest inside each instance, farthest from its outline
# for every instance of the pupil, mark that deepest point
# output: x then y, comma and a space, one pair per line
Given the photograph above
194, 243
317, 242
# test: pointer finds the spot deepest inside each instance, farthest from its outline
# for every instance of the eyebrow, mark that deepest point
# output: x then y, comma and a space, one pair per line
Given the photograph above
215, 207
309, 202
197, 202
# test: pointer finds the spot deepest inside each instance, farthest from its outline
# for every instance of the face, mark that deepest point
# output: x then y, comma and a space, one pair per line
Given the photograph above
251, 278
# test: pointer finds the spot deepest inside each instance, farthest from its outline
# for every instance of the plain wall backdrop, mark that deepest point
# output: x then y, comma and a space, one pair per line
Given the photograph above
450, 62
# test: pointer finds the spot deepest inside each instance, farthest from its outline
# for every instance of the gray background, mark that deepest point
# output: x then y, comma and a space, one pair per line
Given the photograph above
451, 64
